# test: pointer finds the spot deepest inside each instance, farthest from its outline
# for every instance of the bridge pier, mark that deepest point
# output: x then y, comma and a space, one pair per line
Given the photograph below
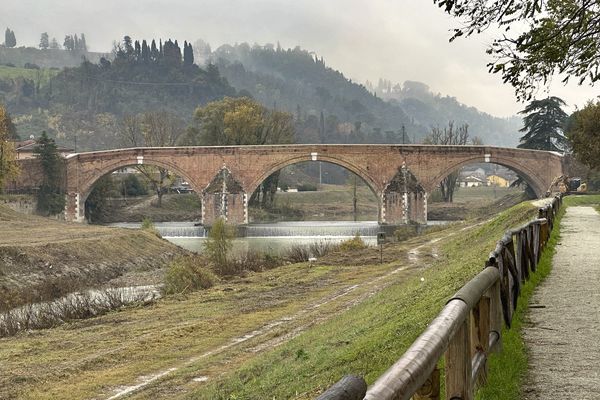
404, 201
404, 208
231, 206
74, 208
224, 198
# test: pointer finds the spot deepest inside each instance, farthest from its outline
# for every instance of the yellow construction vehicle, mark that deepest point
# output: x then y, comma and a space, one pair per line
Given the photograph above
566, 185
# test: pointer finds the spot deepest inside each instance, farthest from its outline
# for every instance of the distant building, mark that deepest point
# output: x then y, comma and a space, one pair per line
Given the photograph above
499, 181
471, 181
26, 149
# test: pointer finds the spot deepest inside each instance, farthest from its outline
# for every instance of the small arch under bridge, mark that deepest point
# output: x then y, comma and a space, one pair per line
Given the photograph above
400, 175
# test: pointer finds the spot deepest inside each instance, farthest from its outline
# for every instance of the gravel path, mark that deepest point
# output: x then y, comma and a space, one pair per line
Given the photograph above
562, 333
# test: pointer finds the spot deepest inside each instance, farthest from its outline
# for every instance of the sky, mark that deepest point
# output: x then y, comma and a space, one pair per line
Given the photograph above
366, 40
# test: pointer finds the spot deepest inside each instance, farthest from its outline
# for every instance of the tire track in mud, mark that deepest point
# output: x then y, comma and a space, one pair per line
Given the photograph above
377, 284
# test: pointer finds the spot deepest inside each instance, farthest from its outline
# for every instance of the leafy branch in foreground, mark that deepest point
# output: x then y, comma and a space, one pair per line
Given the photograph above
559, 37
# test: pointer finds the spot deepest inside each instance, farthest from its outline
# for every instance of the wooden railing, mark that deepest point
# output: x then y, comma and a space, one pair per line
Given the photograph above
467, 329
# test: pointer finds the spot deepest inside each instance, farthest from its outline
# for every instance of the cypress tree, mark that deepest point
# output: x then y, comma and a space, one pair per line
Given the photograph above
50, 198
145, 52
154, 53
83, 43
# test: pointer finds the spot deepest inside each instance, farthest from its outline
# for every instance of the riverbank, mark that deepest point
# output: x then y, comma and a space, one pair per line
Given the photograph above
42, 259
290, 331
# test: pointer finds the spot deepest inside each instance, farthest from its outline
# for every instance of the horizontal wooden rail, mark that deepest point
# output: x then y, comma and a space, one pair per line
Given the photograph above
468, 328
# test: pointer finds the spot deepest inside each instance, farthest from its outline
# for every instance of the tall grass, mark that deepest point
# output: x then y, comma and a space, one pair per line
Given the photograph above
69, 308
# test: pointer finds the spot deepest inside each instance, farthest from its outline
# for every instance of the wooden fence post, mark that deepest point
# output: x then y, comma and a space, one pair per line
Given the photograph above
458, 364
496, 315
431, 388
483, 323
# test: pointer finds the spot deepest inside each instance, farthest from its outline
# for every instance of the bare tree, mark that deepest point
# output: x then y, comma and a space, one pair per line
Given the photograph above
449, 136
153, 129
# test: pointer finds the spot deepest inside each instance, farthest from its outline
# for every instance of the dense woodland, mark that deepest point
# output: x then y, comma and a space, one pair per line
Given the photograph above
84, 106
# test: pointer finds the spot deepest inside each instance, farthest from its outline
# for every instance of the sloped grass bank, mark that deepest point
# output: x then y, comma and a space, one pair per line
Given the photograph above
43, 259
509, 368
366, 339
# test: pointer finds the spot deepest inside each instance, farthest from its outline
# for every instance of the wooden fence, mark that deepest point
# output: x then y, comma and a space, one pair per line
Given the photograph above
467, 329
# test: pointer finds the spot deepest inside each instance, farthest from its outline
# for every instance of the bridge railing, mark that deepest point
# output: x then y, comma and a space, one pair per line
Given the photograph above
467, 329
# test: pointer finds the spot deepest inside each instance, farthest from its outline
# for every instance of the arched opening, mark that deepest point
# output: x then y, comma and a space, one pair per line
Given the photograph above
313, 191
475, 188
132, 192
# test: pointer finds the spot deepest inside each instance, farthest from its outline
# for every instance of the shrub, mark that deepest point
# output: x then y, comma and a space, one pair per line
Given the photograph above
218, 245
186, 274
322, 247
298, 253
356, 243
253, 260
148, 225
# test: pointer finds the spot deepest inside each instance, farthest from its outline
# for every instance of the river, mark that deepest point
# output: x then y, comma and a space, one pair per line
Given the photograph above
272, 238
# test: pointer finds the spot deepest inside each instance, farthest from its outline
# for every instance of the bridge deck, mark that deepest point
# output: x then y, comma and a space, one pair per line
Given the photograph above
562, 335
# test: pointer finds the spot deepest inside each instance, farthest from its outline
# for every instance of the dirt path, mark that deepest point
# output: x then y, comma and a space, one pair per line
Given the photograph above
562, 333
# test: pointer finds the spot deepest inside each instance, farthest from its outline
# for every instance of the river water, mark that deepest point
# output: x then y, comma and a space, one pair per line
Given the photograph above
272, 238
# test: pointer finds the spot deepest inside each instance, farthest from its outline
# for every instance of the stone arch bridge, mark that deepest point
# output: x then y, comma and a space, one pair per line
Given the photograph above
401, 176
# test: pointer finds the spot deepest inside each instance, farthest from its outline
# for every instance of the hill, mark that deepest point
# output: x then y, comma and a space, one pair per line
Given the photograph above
83, 106
331, 108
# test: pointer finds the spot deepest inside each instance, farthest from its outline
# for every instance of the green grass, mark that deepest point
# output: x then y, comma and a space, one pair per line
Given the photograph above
509, 367
366, 340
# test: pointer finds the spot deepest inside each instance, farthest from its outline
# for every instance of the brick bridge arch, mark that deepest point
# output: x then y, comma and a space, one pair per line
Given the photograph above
248, 166
357, 170
530, 176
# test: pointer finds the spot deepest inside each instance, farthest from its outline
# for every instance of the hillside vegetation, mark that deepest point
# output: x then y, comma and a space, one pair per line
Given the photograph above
330, 108
87, 103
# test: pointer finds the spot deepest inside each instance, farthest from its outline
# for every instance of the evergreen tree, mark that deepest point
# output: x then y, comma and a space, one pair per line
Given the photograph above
543, 125
145, 52
50, 198
83, 44
44, 42
154, 53
9, 38
54, 44
69, 43
137, 50
188, 54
